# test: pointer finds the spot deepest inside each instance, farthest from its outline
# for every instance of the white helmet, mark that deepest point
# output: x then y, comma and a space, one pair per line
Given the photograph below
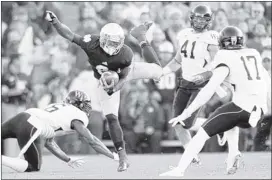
112, 38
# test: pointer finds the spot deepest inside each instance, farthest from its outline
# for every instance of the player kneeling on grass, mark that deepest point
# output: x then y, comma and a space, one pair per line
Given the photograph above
243, 68
34, 124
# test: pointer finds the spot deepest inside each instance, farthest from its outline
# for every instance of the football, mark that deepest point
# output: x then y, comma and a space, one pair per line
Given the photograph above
111, 75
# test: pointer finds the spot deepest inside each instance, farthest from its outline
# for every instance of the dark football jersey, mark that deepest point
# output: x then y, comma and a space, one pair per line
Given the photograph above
101, 61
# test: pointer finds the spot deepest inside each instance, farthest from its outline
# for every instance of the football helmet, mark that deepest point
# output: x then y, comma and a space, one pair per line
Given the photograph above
80, 100
231, 37
112, 38
201, 18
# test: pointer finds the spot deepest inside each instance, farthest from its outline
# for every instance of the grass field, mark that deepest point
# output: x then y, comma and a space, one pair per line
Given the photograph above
254, 166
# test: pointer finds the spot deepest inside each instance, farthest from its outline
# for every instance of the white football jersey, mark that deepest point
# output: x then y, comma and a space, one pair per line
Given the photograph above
247, 75
57, 116
194, 51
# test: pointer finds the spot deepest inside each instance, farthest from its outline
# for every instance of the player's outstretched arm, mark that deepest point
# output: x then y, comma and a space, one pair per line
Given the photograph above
96, 144
61, 28
53, 147
206, 93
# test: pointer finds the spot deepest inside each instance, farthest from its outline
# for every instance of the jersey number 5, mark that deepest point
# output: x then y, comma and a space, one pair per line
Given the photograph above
54, 107
246, 68
184, 49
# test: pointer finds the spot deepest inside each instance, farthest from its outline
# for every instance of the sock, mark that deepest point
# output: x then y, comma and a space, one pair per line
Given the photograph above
19, 165
183, 135
116, 132
232, 136
198, 124
192, 149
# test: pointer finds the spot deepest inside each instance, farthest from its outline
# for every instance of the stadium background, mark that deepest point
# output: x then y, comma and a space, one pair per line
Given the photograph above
39, 67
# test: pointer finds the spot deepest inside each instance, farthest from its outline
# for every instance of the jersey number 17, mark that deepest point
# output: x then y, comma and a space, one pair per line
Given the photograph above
246, 67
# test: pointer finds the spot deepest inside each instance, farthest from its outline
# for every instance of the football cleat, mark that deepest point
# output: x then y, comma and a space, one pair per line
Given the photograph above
123, 166
233, 164
123, 161
139, 32
196, 161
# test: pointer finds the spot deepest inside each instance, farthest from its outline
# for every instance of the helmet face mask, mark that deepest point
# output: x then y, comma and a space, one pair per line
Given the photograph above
112, 38
201, 18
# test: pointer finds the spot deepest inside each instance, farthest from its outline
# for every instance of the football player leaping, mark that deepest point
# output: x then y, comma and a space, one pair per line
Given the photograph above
33, 125
108, 52
241, 67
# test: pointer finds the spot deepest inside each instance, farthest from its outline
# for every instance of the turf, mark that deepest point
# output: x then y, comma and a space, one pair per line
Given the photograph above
254, 166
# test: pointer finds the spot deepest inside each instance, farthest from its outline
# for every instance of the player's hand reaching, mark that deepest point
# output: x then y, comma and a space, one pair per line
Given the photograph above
185, 114
76, 162
139, 32
50, 16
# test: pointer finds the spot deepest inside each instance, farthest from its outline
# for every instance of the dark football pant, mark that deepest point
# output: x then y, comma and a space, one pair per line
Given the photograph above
263, 132
183, 98
18, 127
225, 118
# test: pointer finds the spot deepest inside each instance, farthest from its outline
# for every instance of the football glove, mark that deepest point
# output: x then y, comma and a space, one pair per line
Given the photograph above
139, 32
75, 162
51, 17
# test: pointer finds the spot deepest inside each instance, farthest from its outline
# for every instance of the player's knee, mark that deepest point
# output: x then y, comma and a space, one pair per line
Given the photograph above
111, 118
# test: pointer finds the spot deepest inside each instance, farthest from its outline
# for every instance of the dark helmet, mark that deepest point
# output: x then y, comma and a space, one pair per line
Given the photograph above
231, 37
201, 18
80, 100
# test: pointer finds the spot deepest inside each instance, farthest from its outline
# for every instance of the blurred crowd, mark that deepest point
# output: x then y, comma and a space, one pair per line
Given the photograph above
39, 67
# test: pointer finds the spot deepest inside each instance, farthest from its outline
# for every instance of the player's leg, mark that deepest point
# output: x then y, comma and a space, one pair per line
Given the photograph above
180, 102
33, 155
189, 122
224, 118
110, 108
143, 70
9, 131
263, 131
24, 131
8, 127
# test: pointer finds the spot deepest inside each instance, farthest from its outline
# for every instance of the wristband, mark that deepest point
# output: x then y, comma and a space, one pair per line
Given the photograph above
143, 44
